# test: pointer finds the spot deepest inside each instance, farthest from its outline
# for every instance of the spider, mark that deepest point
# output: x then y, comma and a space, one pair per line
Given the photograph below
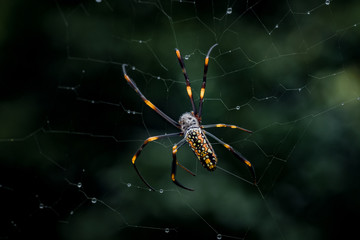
191, 129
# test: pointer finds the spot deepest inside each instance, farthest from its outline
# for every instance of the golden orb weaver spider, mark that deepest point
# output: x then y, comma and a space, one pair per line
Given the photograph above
191, 128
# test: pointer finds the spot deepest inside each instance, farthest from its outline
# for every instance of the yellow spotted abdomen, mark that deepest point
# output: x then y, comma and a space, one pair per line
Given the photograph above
201, 147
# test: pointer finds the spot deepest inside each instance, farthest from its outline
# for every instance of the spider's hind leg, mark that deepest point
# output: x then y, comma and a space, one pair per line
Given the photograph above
175, 163
237, 155
150, 139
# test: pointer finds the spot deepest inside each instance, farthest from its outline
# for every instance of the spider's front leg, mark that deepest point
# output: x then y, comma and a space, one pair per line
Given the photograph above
146, 101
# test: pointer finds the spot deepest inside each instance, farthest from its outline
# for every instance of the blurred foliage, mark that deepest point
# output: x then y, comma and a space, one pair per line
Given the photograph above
69, 123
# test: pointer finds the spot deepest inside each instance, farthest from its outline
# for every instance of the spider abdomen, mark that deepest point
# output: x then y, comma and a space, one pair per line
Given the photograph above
201, 147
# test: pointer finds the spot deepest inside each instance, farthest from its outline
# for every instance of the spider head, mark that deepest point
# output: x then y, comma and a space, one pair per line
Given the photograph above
188, 120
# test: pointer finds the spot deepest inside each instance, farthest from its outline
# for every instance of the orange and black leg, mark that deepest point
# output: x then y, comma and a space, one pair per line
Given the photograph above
188, 87
175, 163
219, 125
150, 139
236, 154
146, 101
202, 90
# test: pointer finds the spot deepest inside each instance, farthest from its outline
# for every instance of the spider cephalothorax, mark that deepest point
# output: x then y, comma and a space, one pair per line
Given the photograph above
191, 128
188, 120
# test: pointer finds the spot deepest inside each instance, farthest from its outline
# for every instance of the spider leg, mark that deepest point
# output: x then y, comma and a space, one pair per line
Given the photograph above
226, 125
237, 154
175, 163
150, 139
202, 91
147, 102
188, 87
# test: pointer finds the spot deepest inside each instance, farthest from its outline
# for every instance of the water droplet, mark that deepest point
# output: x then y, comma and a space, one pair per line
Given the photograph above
187, 57
229, 10
355, 25
133, 68
327, 2
158, 77
128, 185
219, 236
83, 170
358, 98
79, 185
83, 71
92, 101
93, 200
128, 111
299, 89
167, 230
71, 212
41, 206
140, 41
277, 26
237, 107
308, 13
133, 112
161, 190
98, 1
342, 104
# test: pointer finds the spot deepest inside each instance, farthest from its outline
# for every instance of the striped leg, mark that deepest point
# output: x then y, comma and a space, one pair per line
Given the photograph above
175, 163
150, 139
237, 155
147, 102
188, 87
226, 125
202, 91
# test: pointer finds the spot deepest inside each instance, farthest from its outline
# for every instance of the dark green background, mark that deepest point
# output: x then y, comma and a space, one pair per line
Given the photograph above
64, 119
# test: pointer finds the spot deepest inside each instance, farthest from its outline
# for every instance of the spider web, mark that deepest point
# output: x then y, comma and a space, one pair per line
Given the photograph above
70, 124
